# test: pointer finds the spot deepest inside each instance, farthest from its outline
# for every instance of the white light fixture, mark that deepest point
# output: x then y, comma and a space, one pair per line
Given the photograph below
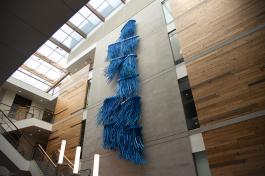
96, 165
77, 160
60, 161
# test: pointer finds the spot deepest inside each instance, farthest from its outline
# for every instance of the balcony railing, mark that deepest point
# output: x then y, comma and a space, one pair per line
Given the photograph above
24, 112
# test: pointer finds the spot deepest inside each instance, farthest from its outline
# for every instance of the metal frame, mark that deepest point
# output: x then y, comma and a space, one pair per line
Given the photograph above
76, 29
49, 61
93, 10
57, 82
34, 72
123, 1
56, 42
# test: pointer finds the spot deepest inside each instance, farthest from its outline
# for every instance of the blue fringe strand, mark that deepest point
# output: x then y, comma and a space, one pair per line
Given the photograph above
129, 66
113, 68
109, 111
130, 112
120, 114
129, 46
114, 50
128, 87
131, 145
110, 137
128, 30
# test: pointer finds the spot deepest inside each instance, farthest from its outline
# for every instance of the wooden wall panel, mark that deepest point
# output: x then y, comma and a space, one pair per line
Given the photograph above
68, 113
237, 150
223, 45
226, 71
230, 81
201, 24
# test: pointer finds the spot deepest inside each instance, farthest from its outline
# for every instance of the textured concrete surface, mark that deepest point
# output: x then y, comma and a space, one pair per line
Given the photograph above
167, 145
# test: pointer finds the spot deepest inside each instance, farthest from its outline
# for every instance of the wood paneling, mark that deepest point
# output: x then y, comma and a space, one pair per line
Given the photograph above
227, 76
230, 81
69, 113
237, 150
223, 45
201, 24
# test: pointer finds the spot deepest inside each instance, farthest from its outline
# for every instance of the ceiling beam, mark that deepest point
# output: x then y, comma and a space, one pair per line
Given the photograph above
34, 72
93, 10
49, 61
123, 1
76, 29
57, 82
33, 77
56, 42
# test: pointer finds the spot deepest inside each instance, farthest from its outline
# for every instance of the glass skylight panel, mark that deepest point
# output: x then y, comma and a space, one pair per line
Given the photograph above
87, 26
77, 19
45, 50
60, 35
43, 69
32, 63
30, 80
95, 3
115, 3
66, 29
72, 39
85, 12
105, 9
55, 56
94, 19
53, 75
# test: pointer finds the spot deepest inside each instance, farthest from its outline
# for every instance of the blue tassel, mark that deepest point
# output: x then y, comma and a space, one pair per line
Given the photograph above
128, 30
113, 68
130, 112
128, 87
131, 145
109, 111
110, 137
129, 45
129, 66
114, 50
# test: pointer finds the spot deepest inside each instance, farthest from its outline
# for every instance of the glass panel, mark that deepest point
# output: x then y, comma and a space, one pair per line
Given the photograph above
87, 26
45, 50
105, 9
67, 29
115, 3
77, 19
55, 56
94, 19
60, 35
85, 12
95, 3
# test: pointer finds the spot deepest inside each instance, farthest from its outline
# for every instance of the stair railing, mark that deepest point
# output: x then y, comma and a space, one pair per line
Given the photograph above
23, 145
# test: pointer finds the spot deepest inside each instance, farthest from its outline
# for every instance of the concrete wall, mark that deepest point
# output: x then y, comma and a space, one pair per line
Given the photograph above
167, 146
7, 98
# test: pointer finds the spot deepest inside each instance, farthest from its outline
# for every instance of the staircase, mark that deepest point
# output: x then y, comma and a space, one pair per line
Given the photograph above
31, 152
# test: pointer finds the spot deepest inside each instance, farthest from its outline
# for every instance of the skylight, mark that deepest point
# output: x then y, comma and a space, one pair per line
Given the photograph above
46, 67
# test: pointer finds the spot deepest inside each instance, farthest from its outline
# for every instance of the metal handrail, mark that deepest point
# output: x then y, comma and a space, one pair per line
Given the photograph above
30, 112
70, 164
36, 107
47, 156
39, 147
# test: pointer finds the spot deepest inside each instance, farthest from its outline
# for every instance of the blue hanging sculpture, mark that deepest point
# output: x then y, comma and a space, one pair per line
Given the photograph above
120, 114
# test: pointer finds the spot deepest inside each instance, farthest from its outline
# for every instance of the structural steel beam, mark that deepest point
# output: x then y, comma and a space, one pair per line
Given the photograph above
76, 29
34, 72
93, 10
49, 61
57, 82
56, 42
